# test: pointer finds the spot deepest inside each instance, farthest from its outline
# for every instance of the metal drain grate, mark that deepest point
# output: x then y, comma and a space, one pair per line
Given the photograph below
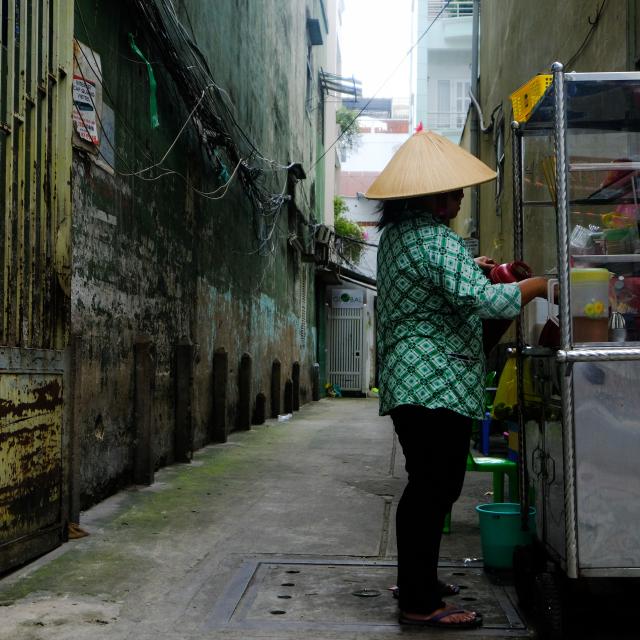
327, 594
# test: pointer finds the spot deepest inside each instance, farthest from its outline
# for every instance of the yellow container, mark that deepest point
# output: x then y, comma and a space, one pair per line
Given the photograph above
590, 304
527, 96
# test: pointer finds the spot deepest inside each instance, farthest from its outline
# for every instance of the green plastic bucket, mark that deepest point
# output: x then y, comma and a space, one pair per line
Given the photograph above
501, 531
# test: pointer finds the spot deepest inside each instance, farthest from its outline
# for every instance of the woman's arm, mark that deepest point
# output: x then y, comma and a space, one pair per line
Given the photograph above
532, 288
448, 265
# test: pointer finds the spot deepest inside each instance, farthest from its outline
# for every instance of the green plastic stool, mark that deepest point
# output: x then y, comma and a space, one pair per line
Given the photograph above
500, 468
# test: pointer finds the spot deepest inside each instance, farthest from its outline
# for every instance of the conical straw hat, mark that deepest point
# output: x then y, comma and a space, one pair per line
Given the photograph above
428, 163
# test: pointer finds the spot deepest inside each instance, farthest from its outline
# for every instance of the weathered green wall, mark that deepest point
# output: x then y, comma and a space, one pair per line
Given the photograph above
519, 40
152, 258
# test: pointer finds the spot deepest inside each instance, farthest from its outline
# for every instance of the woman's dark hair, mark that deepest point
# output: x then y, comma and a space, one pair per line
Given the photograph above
392, 211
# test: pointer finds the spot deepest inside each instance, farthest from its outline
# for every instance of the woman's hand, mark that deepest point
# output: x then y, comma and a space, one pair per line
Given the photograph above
485, 263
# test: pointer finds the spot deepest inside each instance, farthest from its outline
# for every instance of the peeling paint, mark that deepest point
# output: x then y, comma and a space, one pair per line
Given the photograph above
30, 453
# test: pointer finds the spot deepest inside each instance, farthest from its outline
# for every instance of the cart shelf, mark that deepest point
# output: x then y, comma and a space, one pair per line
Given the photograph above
602, 259
577, 188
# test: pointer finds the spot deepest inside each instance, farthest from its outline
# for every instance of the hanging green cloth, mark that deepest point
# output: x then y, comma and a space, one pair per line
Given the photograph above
153, 101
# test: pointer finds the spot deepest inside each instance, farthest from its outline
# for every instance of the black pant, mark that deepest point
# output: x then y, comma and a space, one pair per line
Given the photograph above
435, 443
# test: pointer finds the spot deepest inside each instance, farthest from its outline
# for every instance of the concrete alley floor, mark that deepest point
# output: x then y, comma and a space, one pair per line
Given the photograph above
267, 536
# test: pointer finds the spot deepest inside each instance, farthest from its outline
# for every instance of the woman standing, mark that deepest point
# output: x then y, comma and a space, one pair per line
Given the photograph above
431, 298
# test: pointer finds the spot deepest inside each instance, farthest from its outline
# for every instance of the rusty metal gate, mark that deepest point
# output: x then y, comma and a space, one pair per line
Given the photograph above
35, 196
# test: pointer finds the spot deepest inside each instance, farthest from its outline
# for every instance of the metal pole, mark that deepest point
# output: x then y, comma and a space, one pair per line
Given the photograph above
518, 225
516, 151
475, 128
560, 141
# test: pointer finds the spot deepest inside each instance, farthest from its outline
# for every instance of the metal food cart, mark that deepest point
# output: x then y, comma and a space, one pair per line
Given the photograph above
576, 154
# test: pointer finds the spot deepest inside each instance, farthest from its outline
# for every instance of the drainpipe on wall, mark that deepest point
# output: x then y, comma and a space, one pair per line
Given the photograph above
475, 128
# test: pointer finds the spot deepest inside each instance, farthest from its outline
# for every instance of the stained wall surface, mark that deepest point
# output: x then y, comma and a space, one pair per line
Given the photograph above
155, 261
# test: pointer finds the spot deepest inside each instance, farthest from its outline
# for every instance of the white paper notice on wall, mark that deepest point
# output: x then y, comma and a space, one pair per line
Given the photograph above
347, 298
87, 95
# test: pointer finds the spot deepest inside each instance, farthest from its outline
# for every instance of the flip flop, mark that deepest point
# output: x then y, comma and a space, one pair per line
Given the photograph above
437, 620
446, 590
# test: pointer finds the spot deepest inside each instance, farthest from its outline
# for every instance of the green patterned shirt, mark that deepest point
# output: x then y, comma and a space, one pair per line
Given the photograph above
431, 298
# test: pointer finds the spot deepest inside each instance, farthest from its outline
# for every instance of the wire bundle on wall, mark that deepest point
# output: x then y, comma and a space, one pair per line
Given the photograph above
228, 147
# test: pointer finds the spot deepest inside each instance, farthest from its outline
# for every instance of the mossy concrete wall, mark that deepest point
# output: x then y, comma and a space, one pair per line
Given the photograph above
152, 260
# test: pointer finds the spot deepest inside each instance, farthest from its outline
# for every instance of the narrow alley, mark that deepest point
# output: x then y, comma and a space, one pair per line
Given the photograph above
269, 535
235, 232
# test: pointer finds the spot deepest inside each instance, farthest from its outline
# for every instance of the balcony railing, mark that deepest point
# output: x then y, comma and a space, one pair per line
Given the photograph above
455, 9
445, 120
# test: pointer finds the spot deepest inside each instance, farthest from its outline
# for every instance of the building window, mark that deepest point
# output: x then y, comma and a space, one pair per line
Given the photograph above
453, 103
444, 104
462, 101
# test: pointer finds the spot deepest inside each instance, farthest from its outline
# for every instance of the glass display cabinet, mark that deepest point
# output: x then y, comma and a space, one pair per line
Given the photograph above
576, 154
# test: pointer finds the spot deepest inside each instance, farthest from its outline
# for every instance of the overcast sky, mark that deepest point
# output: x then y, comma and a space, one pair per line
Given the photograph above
375, 37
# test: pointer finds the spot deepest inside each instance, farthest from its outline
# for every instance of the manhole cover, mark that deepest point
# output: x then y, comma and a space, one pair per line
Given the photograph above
318, 594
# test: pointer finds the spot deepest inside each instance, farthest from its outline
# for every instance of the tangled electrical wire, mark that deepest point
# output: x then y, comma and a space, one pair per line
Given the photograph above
211, 112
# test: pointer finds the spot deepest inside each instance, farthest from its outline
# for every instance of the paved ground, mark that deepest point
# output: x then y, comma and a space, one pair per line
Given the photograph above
284, 532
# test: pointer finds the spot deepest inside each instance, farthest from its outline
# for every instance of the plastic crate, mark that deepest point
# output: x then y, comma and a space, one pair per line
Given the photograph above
527, 96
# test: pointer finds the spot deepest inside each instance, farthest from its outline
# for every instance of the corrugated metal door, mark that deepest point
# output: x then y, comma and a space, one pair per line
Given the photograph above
344, 344
35, 195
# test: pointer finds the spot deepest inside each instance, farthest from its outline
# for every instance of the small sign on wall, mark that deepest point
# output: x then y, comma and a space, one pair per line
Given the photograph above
87, 96
347, 298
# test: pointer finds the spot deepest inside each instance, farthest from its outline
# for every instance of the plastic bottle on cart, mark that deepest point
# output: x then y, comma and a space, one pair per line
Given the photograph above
590, 304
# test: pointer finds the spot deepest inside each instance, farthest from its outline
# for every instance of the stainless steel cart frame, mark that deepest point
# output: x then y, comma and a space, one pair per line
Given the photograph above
580, 402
